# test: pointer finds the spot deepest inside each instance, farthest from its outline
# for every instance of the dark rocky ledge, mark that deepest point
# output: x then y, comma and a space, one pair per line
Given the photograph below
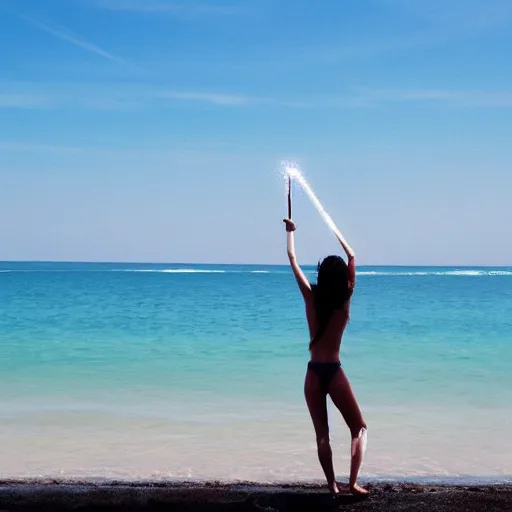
43, 495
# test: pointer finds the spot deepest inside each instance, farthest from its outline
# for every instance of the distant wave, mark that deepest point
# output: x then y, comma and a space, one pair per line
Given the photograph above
467, 273
172, 270
398, 273
363, 273
196, 271
192, 271
147, 270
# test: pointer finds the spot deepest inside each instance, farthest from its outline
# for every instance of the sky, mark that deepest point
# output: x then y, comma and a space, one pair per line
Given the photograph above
153, 130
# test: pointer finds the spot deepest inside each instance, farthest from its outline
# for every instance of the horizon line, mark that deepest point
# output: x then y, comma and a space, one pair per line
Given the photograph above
116, 262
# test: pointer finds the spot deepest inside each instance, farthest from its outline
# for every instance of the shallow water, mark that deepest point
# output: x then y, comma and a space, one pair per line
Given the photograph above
186, 371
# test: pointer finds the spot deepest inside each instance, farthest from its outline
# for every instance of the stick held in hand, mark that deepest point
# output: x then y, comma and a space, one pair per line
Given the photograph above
289, 197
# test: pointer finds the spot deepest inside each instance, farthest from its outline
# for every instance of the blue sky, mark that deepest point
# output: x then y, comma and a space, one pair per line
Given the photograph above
152, 130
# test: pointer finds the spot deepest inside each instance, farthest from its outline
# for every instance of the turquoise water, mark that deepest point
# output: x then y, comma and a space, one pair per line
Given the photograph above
193, 371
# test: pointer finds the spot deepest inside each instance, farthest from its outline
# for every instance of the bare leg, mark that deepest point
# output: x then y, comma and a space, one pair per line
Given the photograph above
317, 405
357, 455
344, 399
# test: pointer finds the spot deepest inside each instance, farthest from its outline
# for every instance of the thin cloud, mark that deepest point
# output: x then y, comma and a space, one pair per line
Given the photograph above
470, 15
358, 98
234, 100
23, 101
72, 38
159, 7
449, 97
75, 96
228, 100
23, 147
440, 23
67, 96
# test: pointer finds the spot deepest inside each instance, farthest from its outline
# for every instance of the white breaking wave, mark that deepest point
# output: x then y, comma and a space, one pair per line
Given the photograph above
363, 273
171, 270
398, 273
192, 271
466, 273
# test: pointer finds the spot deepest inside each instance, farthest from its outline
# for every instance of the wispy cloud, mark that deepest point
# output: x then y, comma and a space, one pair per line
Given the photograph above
181, 150
69, 96
74, 96
110, 97
430, 24
229, 100
159, 7
238, 100
448, 97
461, 16
22, 101
70, 37
23, 147
67, 35
363, 97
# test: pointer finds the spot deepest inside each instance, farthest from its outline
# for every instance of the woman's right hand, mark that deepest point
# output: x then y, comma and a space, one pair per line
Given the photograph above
290, 225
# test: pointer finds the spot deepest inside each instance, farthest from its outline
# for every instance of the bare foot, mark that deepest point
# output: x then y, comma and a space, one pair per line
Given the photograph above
334, 488
357, 490
344, 488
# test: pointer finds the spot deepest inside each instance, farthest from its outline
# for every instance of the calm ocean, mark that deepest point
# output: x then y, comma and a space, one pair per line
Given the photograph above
191, 371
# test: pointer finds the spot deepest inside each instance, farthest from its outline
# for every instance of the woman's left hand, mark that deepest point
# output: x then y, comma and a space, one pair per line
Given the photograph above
290, 225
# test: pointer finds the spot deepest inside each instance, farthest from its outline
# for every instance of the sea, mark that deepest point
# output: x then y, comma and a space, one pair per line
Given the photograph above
195, 372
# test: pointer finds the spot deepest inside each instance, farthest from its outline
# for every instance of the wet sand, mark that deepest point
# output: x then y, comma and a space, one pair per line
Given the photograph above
56, 496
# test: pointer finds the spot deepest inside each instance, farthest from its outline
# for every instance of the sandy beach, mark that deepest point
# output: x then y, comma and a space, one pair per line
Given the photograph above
34, 495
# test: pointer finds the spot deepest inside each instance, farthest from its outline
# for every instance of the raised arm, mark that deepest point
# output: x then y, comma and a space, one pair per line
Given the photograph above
348, 250
351, 259
302, 281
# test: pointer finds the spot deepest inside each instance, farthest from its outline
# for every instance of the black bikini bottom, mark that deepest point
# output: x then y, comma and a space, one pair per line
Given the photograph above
325, 373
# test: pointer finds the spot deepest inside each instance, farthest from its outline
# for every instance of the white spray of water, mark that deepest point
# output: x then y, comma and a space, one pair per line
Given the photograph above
293, 172
287, 178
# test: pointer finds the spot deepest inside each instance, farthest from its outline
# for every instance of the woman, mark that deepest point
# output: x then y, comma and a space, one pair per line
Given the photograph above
327, 311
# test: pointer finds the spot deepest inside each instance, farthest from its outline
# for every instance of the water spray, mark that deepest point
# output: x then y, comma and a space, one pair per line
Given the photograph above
292, 172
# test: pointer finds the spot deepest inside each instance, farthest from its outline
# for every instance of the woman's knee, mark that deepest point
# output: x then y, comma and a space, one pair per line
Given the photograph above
323, 441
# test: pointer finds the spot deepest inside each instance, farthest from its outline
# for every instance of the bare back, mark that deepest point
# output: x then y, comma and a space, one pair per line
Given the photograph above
327, 347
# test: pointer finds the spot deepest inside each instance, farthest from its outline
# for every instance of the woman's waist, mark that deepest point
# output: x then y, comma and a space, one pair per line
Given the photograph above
325, 351
325, 356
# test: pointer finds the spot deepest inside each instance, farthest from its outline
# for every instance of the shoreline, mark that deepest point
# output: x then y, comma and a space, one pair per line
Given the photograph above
80, 495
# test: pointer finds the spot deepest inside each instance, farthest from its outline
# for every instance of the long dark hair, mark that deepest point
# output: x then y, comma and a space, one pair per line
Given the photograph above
331, 292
